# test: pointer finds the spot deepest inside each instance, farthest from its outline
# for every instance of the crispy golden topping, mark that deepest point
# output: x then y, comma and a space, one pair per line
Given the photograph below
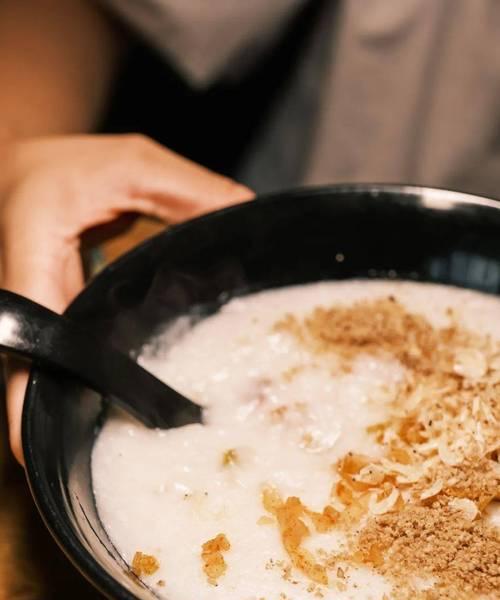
214, 565
230, 458
144, 564
291, 515
440, 468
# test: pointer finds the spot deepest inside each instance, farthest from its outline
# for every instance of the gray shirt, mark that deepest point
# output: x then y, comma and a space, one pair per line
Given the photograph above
384, 91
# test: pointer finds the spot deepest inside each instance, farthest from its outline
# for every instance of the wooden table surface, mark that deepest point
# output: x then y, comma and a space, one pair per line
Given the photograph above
31, 564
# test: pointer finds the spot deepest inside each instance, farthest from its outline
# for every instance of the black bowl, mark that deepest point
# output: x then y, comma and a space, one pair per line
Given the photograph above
338, 232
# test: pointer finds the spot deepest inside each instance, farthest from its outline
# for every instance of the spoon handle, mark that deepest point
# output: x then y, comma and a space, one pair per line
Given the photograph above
29, 329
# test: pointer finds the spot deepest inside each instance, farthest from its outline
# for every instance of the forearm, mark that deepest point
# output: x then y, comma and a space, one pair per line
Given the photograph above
57, 59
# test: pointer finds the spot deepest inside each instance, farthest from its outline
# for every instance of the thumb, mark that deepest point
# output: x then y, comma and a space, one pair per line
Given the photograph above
16, 373
45, 283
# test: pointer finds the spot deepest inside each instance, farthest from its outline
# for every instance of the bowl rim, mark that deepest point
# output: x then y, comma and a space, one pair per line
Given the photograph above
65, 537
434, 197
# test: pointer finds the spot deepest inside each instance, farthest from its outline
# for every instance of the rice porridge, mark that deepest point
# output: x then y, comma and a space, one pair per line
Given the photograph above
350, 449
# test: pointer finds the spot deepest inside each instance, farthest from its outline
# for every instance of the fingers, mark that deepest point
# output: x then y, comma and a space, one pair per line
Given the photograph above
178, 187
53, 285
66, 186
91, 180
16, 377
52, 279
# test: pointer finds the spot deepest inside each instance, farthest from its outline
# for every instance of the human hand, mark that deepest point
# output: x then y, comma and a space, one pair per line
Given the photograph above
54, 189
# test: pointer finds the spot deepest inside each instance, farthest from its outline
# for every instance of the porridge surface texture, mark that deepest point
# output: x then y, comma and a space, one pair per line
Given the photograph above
349, 450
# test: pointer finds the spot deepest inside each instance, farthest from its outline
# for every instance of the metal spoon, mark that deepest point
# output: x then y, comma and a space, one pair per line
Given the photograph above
33, 331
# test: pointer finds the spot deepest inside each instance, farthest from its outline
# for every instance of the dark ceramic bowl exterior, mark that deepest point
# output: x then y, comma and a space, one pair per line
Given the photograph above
337, 232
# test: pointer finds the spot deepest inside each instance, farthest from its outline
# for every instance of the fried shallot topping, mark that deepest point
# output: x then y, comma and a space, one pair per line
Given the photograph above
214, 565
144, 564
419, 508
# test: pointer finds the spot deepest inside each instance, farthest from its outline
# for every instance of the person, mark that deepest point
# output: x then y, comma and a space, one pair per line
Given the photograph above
361, 91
